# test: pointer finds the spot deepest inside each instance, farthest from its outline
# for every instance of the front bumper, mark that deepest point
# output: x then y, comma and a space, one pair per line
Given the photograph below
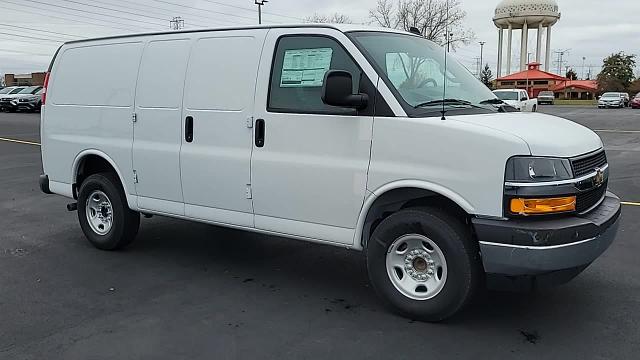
531, 247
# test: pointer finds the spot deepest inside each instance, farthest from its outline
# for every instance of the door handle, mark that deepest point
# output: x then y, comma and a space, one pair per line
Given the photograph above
259, 131
188, 129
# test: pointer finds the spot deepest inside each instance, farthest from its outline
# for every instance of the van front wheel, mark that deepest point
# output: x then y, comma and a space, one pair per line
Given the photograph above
424, 263
105, 218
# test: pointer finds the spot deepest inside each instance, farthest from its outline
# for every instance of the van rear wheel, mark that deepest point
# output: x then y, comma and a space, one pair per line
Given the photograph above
424, 263
105, 218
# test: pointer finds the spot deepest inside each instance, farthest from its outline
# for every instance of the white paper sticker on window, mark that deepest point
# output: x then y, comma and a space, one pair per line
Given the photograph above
305, 67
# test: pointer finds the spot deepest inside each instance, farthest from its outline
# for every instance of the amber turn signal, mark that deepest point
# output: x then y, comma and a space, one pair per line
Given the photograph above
542, 206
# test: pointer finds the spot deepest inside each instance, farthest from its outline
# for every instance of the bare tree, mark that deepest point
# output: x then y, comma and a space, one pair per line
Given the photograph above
428, 16
335, 18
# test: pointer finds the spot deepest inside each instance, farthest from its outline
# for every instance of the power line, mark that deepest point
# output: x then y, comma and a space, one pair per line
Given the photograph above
167, 12
93, 12
74, 19
115, 10
25, 52
32, 37
173, 13
45, 31
253, 10
207, 10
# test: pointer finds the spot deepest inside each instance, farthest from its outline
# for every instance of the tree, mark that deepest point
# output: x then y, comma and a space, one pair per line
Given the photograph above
571, 75
486, 76
335, 18
634, 88
428, 16
617, 72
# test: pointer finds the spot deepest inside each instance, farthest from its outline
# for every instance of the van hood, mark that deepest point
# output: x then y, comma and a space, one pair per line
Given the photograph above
545, 135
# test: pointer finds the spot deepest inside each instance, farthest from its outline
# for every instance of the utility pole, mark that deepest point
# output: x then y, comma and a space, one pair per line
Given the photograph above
448, 37
583, 59
560, 62
260, 3
481, 53
176, 23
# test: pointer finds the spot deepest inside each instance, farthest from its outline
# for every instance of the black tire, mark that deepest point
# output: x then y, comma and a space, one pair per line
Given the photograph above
461, 252
535, 108
125, 222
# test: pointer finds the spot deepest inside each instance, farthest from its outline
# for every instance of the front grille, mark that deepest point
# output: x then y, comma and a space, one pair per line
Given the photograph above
588, 199
588, 164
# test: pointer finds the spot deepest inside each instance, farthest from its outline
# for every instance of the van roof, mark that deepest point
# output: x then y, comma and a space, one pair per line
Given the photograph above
339, 27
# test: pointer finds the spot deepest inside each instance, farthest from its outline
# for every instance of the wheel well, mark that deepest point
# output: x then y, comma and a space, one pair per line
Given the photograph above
89, 165
403, 198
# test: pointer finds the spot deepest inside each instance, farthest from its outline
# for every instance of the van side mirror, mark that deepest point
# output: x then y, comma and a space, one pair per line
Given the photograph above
337, 90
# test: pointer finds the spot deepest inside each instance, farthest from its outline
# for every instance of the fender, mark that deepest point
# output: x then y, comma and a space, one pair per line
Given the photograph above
418, 184
131, 200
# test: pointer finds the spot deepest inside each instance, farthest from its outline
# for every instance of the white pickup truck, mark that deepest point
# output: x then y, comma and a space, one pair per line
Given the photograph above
517, 98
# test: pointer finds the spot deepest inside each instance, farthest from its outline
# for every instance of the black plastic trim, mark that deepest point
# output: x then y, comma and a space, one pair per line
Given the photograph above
44, 184
549, 231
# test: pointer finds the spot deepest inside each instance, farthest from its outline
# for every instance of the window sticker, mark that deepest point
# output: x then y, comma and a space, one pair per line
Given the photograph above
305, 67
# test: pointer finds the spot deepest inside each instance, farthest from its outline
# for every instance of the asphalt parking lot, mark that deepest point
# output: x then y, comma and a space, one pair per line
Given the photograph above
191, 291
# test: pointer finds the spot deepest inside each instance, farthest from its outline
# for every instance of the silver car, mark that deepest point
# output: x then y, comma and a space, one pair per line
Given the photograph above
611, 99
546, 97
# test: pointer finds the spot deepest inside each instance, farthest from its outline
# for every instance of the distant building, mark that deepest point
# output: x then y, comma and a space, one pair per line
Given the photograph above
535, 80
32, 79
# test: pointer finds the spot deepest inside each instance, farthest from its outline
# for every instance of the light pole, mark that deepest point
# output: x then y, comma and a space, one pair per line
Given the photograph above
481, 50
260, 3
583, 59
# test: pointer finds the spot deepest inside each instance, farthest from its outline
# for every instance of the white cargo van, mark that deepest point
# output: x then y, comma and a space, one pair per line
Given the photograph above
345, 135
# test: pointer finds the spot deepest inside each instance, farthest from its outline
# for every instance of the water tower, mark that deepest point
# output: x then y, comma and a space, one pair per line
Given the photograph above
525, 14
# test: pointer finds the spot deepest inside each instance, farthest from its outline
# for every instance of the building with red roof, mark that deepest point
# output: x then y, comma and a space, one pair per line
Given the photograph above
535, 80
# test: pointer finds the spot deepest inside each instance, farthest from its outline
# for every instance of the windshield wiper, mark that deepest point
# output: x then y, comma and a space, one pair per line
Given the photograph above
492, 101
444, 102
500, 104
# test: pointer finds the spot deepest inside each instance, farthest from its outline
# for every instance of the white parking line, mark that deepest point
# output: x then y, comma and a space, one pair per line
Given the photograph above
618, 131
20, 141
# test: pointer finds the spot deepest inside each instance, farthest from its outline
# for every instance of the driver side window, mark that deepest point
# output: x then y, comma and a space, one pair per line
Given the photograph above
299, 66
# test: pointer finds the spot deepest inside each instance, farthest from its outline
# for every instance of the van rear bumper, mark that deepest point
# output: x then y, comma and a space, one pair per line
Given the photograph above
535, 247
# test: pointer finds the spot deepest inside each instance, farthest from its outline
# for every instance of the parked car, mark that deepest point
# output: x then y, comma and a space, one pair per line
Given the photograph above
626, 99
5, 98
28, 102
635, 103
270, 129
546, 97
611, 99
6, 101
7, 90
517, 98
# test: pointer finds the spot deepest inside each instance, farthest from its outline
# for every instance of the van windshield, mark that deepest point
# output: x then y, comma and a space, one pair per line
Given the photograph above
415, 68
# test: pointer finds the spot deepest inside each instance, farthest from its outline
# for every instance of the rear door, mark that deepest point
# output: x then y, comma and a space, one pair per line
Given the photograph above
216, 139
309, 175
157, 127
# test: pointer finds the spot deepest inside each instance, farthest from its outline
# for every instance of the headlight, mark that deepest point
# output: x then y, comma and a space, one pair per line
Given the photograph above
537, 169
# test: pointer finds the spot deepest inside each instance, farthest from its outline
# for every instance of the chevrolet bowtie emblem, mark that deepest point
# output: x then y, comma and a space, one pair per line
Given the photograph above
599, 178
